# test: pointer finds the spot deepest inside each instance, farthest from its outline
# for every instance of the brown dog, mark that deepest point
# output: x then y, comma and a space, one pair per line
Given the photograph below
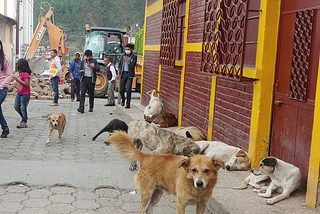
56, 121
190, 179
164, 120
191, 132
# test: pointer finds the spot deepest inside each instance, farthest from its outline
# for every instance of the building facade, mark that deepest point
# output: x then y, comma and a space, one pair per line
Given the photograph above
244, 72
8, 12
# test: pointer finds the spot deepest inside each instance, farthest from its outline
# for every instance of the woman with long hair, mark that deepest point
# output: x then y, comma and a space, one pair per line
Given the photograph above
23, 95
5, 78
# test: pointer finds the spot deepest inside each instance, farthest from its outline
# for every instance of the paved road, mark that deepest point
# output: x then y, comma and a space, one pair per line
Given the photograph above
75, 176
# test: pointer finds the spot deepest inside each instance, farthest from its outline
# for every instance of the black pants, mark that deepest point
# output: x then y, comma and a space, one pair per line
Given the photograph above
125, 84
75, 89
86, 84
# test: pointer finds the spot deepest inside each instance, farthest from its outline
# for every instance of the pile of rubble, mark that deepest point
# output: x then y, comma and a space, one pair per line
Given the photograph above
40, 88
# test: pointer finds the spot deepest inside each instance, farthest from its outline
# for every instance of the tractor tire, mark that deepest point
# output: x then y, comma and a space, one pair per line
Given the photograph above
101, 87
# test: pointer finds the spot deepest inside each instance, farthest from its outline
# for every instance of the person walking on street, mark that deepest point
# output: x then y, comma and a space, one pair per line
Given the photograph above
23, 95
5, 78
111, 75
127, 65
74, 70
54, 76
88, 69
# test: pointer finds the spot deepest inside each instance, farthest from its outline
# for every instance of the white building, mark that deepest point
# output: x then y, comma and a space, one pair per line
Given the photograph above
8, 12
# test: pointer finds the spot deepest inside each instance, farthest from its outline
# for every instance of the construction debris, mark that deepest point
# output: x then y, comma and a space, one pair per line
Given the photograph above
40, 88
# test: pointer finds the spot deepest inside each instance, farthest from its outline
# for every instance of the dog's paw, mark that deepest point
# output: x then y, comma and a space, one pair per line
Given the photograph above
48, 142
107, 143
58, 141
270, 201
264, 195
132, 168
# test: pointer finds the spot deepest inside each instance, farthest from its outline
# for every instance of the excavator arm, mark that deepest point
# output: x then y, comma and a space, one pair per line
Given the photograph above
55, 37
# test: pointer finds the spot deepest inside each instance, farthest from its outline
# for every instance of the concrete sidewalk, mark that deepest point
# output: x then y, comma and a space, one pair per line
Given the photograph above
225, 199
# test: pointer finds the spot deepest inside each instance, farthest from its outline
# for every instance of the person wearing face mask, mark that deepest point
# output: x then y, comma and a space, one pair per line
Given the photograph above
127, 64
74, 70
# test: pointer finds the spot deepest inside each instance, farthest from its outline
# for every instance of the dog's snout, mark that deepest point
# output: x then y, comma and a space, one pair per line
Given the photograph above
199, 184
227, 167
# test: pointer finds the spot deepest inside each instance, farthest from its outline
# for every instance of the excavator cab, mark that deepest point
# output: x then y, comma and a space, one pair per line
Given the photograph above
104, 42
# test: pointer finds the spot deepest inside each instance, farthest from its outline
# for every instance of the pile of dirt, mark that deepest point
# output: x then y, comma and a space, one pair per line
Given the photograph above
40, 88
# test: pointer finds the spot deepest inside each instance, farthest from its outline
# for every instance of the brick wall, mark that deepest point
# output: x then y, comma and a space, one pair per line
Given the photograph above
153, 29
170, 88
196, 97
232, 112
150, 2
196, 19
150, 74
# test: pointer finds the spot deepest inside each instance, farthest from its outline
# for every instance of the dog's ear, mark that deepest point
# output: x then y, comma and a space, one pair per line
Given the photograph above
149, 92
269, 161
241, 153
188, 134
218, 163
49, 118
184, 163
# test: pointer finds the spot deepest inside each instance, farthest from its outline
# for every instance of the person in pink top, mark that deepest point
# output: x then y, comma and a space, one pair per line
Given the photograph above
5, 78
23, 95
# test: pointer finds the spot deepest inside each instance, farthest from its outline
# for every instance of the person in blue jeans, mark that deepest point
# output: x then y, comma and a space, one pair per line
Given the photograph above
74, 70
23, 95
5, 78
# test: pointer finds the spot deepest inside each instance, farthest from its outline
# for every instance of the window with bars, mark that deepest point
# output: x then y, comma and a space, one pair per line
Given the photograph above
224, 38
181, 28
172, 31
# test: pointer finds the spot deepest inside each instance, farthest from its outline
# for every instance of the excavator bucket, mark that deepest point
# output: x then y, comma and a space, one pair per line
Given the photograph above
37, 65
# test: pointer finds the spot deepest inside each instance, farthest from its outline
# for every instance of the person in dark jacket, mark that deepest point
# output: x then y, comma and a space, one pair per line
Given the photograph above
127, 65
74, 70
88, 69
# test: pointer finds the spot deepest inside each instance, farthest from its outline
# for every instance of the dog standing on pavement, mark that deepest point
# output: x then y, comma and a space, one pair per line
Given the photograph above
58, 122
285, 178
112, 126
190, 179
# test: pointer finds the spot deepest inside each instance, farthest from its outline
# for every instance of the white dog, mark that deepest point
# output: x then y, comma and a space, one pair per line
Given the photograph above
285, 178
234, 158
155, 105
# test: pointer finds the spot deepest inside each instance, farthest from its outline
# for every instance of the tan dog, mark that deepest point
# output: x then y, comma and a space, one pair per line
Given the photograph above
163, 120
190, 179
191, 132
58, 122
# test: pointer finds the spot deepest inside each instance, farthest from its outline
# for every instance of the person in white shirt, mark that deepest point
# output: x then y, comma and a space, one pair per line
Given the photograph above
111, 75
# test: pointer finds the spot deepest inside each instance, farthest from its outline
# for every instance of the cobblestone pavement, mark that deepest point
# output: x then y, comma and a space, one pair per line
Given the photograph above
75, 176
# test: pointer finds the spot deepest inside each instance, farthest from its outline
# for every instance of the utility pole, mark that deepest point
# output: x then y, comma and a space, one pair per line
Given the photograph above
17, 31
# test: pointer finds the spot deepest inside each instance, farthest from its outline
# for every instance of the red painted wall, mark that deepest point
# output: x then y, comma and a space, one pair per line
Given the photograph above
232, 112
153, 29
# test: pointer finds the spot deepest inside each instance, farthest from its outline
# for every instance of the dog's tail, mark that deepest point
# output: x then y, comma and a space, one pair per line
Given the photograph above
124, 144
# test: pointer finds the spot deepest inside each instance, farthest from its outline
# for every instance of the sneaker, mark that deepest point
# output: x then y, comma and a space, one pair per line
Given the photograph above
5, 134
91, 110
81, 110
127, 106
22, 125
54, 104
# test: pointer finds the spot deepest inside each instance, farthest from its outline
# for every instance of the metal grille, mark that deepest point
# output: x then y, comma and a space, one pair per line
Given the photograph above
169, 32
301, 55
224, 37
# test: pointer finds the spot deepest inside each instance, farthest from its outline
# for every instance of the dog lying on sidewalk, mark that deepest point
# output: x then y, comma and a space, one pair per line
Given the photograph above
191, 132
190, 179
163, 120
285, 178
234, 158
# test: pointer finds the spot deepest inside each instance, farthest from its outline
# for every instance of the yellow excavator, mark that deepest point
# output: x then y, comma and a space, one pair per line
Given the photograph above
55, 36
